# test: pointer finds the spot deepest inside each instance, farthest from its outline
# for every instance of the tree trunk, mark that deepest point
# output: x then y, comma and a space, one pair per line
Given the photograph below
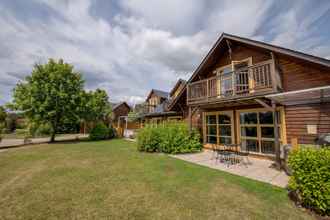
52, 138
54, 130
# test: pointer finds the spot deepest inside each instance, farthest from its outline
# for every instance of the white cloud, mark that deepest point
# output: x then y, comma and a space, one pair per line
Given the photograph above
148, 44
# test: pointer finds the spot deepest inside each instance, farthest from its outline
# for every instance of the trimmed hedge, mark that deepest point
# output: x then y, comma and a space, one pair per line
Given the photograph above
99, 132
172, 138
311, 178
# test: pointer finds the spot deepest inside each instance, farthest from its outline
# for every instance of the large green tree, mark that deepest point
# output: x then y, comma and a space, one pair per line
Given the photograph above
52, 94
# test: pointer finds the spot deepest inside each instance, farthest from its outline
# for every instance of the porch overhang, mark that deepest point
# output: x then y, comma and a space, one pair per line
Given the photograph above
304, 96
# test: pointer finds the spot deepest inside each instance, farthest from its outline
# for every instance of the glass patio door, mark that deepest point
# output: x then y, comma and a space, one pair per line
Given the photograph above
219, 127
257, 131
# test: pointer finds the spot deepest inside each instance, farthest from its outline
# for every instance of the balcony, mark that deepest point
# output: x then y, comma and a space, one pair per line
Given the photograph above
250, 81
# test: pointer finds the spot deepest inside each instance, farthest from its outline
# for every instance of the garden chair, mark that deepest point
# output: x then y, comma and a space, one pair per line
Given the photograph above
243, 155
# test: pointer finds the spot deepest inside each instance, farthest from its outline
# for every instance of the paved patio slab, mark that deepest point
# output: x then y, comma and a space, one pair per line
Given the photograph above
258, 169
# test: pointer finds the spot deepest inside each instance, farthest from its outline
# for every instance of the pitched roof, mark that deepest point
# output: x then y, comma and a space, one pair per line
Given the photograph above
159, 93
178, 83
272, 48
116, 105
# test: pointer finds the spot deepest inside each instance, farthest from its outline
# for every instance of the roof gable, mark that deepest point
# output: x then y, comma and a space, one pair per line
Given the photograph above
177, 85
225, 38
159, 93
115, 106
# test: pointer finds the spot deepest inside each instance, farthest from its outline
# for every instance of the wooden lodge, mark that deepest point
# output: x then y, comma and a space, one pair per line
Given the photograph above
157, 102
257, 96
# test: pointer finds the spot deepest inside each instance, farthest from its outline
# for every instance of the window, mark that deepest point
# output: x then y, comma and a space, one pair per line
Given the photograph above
257, 131
219, 128
226, 81
234, 78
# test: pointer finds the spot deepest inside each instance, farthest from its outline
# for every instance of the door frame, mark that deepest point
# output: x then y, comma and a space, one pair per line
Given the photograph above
232, 125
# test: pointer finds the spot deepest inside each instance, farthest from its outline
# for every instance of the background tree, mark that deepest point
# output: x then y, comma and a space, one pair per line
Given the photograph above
98, 106
3, 114
52, 94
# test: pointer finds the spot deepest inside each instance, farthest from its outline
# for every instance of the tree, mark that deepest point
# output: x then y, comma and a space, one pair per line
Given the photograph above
97, 105
3, 114
52, 94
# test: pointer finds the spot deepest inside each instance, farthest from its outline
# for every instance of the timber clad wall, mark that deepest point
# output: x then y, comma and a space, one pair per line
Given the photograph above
122, 110
298, 117
301, 75
240, 53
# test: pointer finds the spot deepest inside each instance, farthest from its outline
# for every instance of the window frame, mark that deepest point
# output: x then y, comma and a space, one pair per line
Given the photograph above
219, 74
259, 138
217, 125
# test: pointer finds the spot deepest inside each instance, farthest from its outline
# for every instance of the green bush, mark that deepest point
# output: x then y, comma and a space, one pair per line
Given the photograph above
172, 138
112, 132
99, 132
43, 129
311, 178
22, 132
148, 139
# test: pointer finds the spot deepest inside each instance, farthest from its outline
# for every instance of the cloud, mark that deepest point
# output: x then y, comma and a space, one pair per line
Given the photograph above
129, 47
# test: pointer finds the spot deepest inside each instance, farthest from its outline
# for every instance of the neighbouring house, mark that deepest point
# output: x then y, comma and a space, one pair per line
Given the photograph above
120, 109
157, 105
256, 95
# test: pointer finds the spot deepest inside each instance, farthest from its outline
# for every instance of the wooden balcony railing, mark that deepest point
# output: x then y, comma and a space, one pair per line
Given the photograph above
242, 82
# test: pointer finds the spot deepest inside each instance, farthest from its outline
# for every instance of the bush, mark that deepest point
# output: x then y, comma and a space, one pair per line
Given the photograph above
310, 178
37, 130
172, 137
148, 139
43, 129
22, 132
99, 132
112, 132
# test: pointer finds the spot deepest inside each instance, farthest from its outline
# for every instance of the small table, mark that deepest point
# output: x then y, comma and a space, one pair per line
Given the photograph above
229, 154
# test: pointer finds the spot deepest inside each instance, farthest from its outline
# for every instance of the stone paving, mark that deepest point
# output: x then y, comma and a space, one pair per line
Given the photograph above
258, 169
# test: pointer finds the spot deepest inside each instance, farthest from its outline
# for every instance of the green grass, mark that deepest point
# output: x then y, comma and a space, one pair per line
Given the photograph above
110, 179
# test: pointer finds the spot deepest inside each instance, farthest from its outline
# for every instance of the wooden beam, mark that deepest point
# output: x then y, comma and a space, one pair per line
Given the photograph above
264, 104
229, 48
277, 77
189, 119
276, 137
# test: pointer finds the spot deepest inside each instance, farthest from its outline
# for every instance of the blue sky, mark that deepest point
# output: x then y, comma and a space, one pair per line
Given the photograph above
128, 47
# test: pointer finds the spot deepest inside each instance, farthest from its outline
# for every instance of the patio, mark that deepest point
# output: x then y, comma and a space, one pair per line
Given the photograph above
258, 169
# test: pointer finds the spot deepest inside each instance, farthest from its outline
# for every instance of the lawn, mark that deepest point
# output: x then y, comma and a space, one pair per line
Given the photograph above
110, 179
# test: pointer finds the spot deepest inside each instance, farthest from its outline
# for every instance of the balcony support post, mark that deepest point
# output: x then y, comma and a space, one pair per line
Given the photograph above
190, 119
207, 89
276, 137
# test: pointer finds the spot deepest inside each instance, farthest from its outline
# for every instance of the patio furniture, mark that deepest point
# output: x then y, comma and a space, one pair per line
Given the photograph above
228, 154
243, 154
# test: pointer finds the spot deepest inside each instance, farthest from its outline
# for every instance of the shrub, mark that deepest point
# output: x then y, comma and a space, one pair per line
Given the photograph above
172, 137
43, 129
99, 132
35, 129
112, 132
21, 132
310, 178
148, 139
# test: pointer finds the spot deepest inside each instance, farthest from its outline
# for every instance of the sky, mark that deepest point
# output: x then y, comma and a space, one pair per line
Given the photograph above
128, 47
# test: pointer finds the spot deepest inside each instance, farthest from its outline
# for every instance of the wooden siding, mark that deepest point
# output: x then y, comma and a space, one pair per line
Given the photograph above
298, 117
239, 52
298, 75
121, 110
